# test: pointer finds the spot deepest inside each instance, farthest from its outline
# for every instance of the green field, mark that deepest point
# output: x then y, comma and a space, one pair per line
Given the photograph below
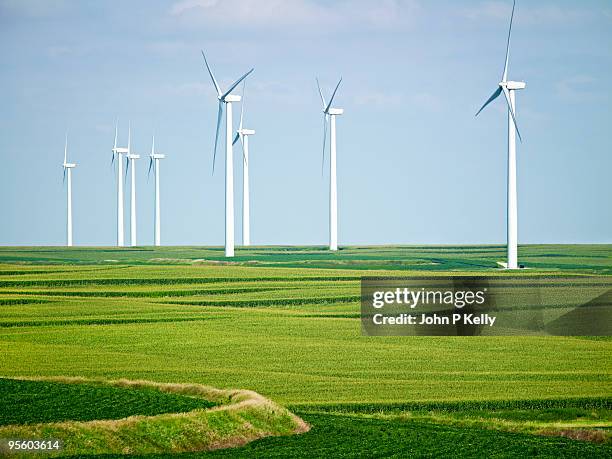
29, 402
284, 322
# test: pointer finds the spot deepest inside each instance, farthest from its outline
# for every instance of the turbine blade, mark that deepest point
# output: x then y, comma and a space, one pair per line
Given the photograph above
153, 145
66, 149
129, 137
150, 165
114, 144
243, 155
507, 94
320, 93
127, 168
219, 115
236, 83
505, 74
236, 138
116, 127
242, 104
64, 179
494, 96
211, 75
324, 140
333, 95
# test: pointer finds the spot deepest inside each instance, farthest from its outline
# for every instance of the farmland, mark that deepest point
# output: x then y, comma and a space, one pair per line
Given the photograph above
284, 322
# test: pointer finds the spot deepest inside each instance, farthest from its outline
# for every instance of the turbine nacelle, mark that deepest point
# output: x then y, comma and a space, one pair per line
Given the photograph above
246, 131
335, 111
132, 156
231, 98
69, 165
513, 85
157, 156
120, 150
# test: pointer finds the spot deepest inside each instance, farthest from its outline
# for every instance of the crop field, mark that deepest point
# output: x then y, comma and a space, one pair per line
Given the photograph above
284, 322
29, 402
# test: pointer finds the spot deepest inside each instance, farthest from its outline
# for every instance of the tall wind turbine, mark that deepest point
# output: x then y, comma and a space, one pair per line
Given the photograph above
154, 163
130, 158
329, 116
226, 99
68, 171
118, 151
243, 134
508, 88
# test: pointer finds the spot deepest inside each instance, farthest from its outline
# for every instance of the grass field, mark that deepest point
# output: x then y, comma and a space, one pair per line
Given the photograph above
284, 322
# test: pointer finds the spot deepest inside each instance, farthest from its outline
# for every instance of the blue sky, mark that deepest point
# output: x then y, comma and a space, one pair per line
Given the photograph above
414, 165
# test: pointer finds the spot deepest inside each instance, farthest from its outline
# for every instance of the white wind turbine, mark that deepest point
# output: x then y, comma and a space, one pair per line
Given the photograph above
120, 151
68, 171
243, 134
508, 88
154, 159
130, 158
226, 98
329, 115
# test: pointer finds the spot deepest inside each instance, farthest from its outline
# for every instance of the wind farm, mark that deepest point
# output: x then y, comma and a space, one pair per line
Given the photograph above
222, 308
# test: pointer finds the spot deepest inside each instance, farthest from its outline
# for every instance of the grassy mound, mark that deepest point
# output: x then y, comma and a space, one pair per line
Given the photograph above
219, 418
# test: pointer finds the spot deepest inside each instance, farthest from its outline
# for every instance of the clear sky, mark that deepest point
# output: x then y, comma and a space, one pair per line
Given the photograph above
414, 165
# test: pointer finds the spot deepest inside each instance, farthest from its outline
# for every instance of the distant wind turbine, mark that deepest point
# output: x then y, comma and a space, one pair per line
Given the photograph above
508, 88
226, 99
329, 116
243, 134
118, 151
130, 158
154, 159
68, 172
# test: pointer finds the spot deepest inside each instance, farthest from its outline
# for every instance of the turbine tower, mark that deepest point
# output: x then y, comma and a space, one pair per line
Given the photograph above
329, 116
154, 163
130, 158
243, 134
508, 88
68, 171
226, 99
118, 151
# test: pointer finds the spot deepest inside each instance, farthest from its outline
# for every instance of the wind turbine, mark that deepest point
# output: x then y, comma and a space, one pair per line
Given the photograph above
154, 163
68, 171
243, 134
508, 88
120, 151
130, 158
329, 116
226, 99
